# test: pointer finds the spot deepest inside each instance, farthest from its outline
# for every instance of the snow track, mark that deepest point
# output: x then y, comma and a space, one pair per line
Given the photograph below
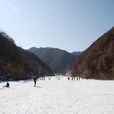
58, 97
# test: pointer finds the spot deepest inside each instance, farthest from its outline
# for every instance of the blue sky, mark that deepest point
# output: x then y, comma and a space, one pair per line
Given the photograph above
71, 25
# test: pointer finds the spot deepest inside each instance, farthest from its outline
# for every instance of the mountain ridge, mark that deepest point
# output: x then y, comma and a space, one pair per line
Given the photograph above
57, 59
97, 61
17, 63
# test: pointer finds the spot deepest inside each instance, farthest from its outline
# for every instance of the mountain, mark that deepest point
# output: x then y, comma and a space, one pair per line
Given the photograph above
76, 53
58, 60
17, 63
98, 60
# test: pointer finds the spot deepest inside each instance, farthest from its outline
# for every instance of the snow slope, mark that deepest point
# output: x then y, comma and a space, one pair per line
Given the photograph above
58, 97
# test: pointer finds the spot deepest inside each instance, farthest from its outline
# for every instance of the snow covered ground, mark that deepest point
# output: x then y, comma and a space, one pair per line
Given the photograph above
58, 97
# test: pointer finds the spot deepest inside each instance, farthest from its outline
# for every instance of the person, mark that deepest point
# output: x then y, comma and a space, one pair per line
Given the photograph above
34, 81
7, 85
68, 78
72, 78
49, 78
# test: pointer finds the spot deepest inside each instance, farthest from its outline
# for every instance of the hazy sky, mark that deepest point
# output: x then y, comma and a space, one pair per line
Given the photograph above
67, 24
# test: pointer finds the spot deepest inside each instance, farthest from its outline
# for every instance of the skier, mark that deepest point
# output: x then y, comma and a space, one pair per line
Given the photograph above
34, 81
68, 78
7, 85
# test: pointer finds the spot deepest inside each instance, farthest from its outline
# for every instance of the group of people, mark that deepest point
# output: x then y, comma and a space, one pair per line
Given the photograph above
73, 78
35, 80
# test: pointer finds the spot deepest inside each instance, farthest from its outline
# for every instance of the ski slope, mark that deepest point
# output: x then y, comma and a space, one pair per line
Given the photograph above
58, 97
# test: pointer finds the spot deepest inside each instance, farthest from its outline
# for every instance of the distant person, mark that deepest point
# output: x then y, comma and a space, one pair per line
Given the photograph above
77, 78
7, 85
43, 78
72, 78
34, 79
68, 78
49, 78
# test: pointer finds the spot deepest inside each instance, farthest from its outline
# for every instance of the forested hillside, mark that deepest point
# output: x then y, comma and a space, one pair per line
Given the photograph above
98, 60
17, 63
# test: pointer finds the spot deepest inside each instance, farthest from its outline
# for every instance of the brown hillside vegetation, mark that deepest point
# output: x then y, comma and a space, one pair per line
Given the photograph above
98, 60
17, 63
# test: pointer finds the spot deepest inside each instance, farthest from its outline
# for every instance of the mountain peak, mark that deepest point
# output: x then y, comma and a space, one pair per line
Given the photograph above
58, 60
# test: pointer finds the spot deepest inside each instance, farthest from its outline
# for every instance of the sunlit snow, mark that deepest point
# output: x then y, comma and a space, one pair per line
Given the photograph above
58, 97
